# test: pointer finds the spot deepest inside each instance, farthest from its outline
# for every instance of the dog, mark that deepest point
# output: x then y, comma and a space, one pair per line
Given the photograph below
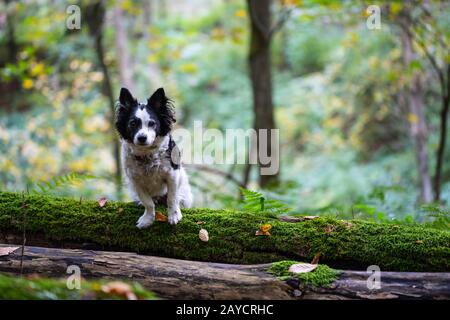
150, 157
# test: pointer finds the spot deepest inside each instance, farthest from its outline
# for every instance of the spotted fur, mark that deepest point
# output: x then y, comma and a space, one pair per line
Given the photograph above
150, 157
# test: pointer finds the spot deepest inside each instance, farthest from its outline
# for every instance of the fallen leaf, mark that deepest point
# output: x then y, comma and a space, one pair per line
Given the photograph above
102, 202
264, 230
160, 217
330, 228
316, 259
33, 276
310, 217
419, 241
120, 289
203, 235
4, 251
348, 225
302, 267
200, 222
120, 210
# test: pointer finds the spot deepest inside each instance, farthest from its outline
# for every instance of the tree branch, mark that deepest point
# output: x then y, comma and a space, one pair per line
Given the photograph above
226, 175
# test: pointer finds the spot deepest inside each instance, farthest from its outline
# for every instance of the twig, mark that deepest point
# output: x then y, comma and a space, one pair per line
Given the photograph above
280, 23
227, 175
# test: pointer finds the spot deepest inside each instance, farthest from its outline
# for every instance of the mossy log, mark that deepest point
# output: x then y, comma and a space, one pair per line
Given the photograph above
36, 287
183, 279
69, 223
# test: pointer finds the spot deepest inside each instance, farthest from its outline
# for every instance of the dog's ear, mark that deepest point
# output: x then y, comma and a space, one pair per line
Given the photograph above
164, 109
126, 99
123, 109
157, 100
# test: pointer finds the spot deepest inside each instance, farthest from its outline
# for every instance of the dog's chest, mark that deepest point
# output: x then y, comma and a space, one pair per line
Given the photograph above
149, 173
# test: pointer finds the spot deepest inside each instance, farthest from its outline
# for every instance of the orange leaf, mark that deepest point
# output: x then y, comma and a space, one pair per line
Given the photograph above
120, 289
264, 230
160, 217
102, 202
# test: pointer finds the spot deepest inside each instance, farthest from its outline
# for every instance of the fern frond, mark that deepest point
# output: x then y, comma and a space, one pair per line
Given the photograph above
60, 181
255, 201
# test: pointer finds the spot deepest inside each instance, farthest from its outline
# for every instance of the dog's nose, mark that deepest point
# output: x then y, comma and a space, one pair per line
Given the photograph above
142, 139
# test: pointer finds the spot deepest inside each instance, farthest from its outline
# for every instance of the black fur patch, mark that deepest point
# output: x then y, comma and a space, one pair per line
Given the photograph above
164, 109
173, 152
159, 107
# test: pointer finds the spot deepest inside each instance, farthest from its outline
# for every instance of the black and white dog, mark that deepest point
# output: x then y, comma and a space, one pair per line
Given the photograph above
150, 157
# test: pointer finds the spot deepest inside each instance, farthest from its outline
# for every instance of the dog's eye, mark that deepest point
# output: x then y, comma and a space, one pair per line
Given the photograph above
151, 123
133, 123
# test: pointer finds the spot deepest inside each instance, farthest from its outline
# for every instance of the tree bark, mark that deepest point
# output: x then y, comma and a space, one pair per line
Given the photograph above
442, 135
182, 279
415, 101
261, 78
71, 223
123, 56
95, 14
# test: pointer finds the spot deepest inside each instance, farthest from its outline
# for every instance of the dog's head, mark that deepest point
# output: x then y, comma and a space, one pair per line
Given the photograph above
140, 123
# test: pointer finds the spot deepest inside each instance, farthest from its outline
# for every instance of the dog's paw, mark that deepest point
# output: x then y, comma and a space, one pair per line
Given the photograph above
145, 221
174, 216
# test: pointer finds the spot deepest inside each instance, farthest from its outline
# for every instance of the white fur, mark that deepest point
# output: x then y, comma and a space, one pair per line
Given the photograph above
155, 177
145, 129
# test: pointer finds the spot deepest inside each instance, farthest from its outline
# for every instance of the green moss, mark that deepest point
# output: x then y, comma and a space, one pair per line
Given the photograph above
20, 288
322, 276
342, 244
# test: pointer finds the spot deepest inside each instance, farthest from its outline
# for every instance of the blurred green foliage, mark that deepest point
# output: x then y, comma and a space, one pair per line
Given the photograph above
345, 145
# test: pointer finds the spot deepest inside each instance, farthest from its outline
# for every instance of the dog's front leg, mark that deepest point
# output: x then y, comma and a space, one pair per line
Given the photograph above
173, 201
149, 214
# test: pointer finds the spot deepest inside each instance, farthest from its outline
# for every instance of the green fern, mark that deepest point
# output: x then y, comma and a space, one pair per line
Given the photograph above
59, 181
255, 201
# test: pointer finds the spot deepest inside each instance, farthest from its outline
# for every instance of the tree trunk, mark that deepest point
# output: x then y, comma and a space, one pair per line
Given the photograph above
123, 57
183, 279
152, 73
95, 14
415, 101
442, 136
64, 222
261, 78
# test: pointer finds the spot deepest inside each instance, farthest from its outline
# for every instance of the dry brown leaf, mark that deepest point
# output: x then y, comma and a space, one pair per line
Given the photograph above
348, 225
310, 217
419, 241
120, 210
264, 230
302, 267
203, 235
316, 259
330, 228
200, 222
120, 289
160, 217
4, 251
102, 202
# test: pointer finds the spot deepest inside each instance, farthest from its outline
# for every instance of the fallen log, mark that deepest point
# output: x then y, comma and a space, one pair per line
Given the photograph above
181, 279
69, 223
33, 287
